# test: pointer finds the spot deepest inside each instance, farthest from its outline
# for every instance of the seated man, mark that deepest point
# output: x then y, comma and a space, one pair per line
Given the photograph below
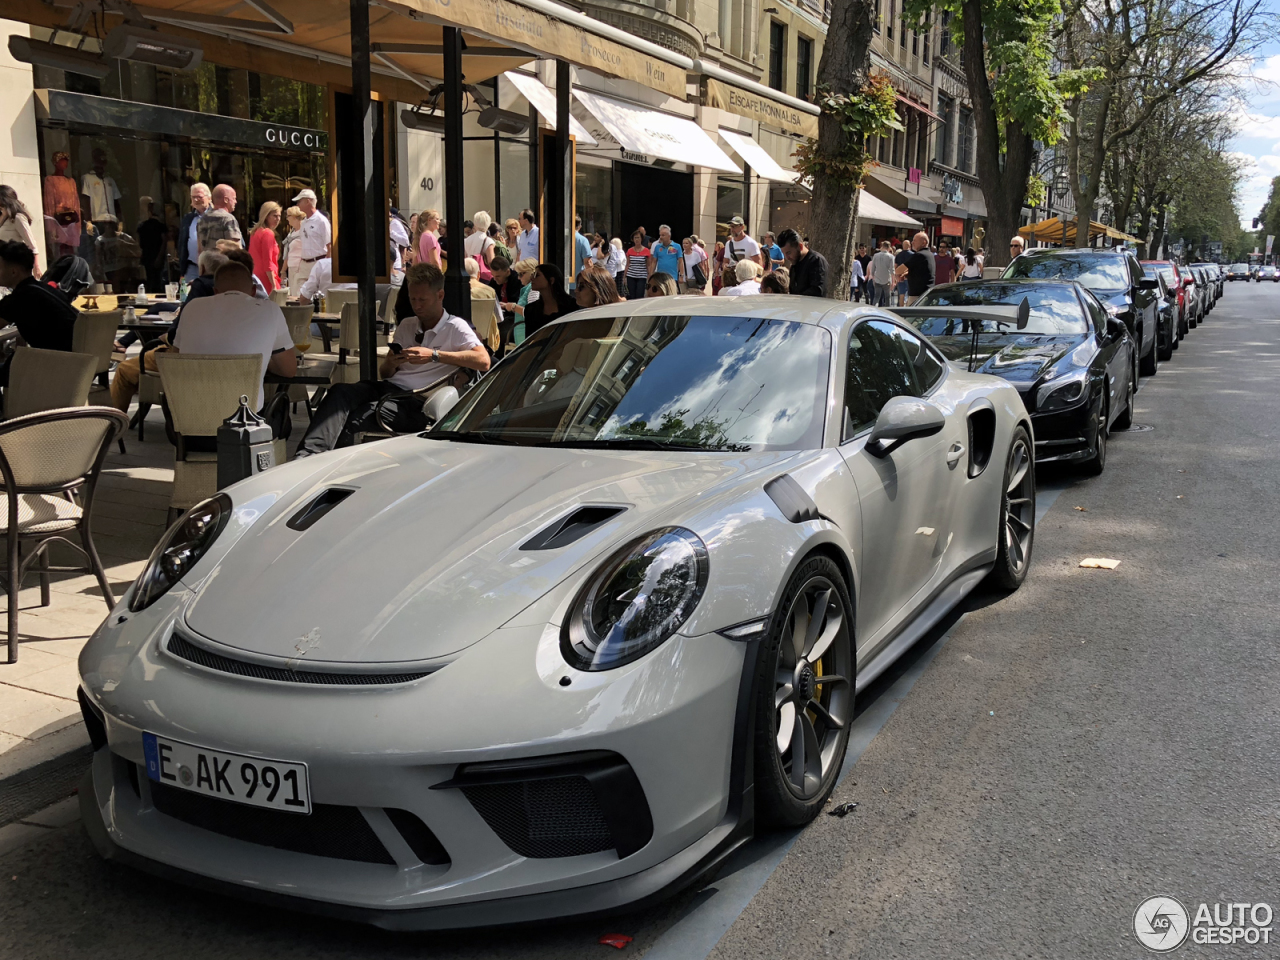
320, 281
426, 348
124, 383
42, 315
234, 321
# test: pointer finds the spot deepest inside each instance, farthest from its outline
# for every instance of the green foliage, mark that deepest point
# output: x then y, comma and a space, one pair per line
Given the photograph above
1270, 215
871, 112
1037, 191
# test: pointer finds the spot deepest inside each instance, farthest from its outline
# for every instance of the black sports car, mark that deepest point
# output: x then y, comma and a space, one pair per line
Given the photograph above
1073, 363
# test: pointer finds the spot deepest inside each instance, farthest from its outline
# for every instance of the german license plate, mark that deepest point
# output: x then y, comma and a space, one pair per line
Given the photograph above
275, 784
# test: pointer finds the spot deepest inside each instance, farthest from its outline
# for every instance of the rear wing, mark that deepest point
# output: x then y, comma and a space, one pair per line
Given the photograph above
1018, 316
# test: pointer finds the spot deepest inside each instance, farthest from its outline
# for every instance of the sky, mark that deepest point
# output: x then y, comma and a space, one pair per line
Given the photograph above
1257, 138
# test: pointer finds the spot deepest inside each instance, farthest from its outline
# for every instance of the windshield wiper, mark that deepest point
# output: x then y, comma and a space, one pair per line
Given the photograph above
626, 443
463, 437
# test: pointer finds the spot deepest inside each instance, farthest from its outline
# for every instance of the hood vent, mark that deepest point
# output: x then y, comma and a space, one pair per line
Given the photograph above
318, 507
572, 527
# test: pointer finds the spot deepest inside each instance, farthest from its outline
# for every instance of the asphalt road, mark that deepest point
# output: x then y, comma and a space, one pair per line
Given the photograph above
1035, 770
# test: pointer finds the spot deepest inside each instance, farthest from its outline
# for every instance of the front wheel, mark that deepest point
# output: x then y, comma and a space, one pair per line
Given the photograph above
1098, 461
1017, 514
1150, 362
804, 696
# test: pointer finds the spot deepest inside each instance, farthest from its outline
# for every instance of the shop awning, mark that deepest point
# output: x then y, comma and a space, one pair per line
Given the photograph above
758, 158
544, 101
1055, 230
914, 105
872, 209
656, 134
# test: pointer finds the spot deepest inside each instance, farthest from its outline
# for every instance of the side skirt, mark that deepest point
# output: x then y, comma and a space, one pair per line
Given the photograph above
950, 594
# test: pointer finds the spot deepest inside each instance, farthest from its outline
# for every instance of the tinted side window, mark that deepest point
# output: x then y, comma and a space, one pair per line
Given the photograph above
928, 369
878, 370
1097, 314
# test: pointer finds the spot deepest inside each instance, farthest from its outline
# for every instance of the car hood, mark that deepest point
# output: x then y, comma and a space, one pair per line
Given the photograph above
1018, 358
423, 558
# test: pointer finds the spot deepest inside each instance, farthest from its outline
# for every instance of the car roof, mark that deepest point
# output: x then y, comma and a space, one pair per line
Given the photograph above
1073, 252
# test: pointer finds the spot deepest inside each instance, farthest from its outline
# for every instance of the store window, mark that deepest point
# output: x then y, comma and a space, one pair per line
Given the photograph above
804, 67
594, 188
777, 54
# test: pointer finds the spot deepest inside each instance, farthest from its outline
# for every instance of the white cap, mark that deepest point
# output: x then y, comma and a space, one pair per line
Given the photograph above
307, 194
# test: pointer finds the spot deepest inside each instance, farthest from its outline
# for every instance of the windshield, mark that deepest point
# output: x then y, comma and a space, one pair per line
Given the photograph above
704, 383
1096, 273
1170, 275
1239, 268
1055, 309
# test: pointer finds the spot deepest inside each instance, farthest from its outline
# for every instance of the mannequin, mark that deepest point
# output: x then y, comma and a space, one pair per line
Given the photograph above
99, 194
62, 204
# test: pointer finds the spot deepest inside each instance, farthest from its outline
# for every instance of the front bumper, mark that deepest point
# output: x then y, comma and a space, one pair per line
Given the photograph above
1064, 435
376, 751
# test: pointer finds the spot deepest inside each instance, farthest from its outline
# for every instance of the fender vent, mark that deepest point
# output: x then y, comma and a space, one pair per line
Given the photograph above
791, 498
572, 527
982, 438
317, 508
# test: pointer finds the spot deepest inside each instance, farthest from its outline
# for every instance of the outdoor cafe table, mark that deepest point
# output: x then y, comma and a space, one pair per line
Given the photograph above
310, 372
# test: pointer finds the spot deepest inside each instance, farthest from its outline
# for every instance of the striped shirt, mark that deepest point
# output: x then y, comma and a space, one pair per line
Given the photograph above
638, 263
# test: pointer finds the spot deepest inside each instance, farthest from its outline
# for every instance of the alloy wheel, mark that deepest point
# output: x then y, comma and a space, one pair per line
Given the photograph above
813, 698
1020, 505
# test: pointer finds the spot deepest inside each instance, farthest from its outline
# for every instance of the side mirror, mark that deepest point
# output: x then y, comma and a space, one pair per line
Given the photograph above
1148, 283
439, 404
1115, 329
903, 419
1188, 281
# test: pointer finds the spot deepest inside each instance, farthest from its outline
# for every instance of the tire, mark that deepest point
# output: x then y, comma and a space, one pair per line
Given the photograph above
1166, 353
786, 677
1150, 363
1125, 420
1017, 528
1094, 466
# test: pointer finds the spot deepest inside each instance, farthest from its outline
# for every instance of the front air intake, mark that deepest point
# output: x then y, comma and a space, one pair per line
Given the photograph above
573, 526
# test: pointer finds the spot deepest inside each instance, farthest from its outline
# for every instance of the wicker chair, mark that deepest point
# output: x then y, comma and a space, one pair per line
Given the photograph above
201, 391
47, 380
50, 462
95, 333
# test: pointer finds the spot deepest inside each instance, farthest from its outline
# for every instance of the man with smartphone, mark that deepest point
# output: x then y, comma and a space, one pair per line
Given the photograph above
426, 348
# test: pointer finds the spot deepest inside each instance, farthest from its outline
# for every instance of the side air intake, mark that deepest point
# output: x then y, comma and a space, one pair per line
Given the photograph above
318, 507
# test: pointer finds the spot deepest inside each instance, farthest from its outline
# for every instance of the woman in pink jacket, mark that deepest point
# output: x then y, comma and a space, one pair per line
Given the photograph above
264, 247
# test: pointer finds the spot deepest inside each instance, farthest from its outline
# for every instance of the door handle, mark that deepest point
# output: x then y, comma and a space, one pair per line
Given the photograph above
954, 454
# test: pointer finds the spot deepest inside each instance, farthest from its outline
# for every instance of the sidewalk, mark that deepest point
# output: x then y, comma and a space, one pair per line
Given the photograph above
39, 713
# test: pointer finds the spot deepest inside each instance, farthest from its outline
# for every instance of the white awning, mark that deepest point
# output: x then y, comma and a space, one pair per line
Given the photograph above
543, 100
872, 209
757, 157
656, 134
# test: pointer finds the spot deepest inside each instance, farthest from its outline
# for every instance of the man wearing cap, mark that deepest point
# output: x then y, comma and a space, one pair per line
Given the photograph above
740, 246
316, 234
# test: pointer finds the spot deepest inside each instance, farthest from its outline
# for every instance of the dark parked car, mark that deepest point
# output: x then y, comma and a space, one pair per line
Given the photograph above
1073, 363
1173, 277
1205, 287
1238, 271
1167, 335
1115, 277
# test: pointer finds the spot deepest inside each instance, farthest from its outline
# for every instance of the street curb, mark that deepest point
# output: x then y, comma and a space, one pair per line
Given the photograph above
42, 785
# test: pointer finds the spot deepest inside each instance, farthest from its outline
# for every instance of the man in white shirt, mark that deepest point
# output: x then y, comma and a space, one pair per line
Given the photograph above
426, 348
740, 246
748, 285
234, 321
315, 233
882, 268
527, 238
99, 195
189, 253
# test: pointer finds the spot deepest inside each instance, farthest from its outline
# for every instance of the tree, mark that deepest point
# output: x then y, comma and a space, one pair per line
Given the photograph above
1141, 55
855, 106
1017, 97
1270, 215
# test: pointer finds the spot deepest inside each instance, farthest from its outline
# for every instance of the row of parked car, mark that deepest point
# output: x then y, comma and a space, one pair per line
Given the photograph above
1258, 272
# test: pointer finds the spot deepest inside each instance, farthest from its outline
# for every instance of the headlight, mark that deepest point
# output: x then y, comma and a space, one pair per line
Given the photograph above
180, 549
1063, 392
636, 600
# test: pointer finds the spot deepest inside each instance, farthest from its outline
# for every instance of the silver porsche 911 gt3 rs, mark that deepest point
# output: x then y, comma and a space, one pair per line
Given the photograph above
568, 649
